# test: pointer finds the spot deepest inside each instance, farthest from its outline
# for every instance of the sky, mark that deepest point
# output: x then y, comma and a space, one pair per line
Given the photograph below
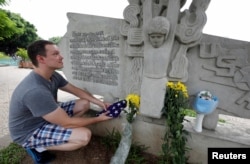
225, 18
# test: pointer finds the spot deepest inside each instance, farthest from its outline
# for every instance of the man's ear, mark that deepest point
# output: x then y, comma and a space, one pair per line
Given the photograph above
40, 58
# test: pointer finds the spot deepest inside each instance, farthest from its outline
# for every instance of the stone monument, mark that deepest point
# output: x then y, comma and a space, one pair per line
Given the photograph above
116, 57
113, 57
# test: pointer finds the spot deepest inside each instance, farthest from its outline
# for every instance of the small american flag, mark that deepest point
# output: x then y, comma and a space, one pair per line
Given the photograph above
115, 109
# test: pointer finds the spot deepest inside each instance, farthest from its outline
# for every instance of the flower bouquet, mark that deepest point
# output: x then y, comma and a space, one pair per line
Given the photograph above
176, 98
176, 101
205, 103
131, 110
133, 107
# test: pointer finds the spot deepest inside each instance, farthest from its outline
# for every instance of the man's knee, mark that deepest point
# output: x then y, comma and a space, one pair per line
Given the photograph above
81, 136
86, 136
81, 106
84, 103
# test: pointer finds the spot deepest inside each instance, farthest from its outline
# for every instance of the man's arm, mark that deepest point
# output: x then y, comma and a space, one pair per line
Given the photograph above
83, 95
61, 118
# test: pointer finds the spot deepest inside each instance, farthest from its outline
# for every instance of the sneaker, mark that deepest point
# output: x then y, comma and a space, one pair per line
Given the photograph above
40, 158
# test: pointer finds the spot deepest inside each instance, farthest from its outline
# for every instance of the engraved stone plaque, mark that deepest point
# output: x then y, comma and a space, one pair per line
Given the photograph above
92, 54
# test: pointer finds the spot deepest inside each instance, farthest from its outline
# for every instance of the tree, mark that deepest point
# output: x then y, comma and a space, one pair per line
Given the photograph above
25, 34
7, 26
3, 2
55, 39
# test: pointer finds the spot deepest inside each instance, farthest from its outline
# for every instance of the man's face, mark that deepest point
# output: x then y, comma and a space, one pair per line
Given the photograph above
156, 40
53, 57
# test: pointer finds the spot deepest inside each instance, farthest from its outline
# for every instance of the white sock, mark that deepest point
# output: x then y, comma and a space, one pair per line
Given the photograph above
40, 149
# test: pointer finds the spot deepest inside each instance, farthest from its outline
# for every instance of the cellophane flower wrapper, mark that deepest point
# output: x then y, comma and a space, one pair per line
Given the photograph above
204, 106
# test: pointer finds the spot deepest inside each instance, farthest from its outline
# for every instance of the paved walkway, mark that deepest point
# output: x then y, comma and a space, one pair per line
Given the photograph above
10, 76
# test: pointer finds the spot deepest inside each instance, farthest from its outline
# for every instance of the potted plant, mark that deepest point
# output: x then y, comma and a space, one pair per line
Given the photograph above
24, 62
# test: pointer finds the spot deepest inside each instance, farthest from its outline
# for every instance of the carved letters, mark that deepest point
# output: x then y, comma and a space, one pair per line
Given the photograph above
93, 57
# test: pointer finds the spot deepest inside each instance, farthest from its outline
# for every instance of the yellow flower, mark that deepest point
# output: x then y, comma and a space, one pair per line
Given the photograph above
133, 106
135, 99
170, 85
178, 87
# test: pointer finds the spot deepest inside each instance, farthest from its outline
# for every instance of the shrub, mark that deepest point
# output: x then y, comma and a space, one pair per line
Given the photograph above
22, 53
12, 154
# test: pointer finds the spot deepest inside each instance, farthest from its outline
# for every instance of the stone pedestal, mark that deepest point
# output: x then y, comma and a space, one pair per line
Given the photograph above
210, 121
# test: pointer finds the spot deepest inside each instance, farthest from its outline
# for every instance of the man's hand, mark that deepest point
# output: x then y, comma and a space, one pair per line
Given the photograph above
105, 105
61, 118
104, 116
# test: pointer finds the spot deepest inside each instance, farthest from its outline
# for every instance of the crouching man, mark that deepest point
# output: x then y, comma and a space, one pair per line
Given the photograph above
36, 120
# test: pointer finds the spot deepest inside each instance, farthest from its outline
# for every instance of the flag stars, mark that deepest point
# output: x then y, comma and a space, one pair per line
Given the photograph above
115, 109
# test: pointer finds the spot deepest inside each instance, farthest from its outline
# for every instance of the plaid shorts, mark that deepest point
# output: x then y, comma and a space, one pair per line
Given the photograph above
51, 134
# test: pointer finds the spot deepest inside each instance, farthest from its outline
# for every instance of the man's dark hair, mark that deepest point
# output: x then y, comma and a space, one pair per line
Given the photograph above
37, 48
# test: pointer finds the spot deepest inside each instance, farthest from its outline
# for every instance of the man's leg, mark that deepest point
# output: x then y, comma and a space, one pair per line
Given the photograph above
79, 137
81, 107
